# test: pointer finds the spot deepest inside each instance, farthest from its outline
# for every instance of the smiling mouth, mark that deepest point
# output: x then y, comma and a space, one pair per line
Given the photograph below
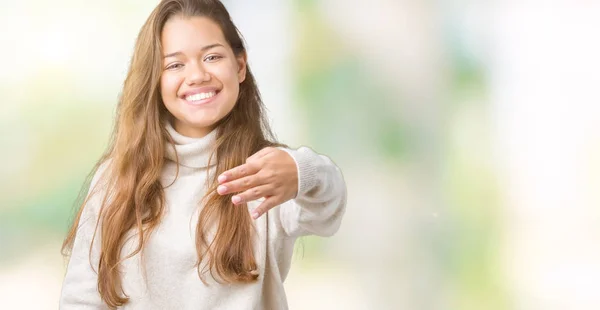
201, 98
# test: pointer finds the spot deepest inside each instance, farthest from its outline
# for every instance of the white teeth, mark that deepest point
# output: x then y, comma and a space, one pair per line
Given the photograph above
200, 96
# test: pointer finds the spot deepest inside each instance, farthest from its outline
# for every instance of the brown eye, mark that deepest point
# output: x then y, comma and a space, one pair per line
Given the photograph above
174, 66
212, 58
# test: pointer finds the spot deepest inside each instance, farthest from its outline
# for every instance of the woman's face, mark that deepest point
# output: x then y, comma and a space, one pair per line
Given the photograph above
201, 76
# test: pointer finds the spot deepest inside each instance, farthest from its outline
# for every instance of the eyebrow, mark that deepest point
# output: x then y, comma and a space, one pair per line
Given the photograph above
205, 48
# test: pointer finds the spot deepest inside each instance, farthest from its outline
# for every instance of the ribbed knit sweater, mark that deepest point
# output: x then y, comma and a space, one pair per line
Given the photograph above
169, 279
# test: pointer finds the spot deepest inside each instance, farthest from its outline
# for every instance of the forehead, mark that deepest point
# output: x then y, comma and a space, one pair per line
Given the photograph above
181, 32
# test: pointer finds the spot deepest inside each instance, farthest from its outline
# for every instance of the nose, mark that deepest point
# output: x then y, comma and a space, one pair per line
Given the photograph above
197, 74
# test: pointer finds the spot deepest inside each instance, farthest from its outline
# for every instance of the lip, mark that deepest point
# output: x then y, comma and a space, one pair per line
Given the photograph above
205, 89
198, 91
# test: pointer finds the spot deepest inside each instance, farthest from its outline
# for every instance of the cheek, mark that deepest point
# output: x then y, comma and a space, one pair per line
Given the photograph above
228, 73
229, 77
168, 86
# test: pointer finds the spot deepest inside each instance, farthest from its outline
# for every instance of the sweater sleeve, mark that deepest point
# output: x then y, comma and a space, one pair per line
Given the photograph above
80, 285
320, 202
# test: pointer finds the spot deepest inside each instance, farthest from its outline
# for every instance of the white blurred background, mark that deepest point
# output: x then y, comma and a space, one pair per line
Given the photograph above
468, 133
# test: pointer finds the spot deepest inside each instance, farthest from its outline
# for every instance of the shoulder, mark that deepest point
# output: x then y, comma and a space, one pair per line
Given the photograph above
101, 173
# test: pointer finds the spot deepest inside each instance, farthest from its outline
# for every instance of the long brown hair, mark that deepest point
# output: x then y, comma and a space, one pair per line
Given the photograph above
136, 156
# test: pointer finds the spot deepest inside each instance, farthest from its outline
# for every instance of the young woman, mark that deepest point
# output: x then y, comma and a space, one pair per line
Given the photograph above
194, 205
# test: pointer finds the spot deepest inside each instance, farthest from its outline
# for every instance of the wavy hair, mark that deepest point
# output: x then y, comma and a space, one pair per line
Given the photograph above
136, 156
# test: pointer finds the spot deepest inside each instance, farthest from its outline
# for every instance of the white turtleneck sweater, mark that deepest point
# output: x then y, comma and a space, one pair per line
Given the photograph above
170, 280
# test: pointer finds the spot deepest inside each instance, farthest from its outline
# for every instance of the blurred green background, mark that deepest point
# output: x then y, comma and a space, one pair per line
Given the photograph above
468, 133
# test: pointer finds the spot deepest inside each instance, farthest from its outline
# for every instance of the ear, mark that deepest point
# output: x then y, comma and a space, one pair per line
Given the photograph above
241, 61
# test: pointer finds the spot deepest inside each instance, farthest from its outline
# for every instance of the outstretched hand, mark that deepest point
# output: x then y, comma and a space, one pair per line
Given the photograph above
270, 173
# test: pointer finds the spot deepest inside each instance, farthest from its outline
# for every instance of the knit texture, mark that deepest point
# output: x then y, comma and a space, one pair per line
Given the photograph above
169, 279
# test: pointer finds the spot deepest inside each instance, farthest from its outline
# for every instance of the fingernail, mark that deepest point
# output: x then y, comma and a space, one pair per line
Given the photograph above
221, 189
255, 215
222, 178
236, 199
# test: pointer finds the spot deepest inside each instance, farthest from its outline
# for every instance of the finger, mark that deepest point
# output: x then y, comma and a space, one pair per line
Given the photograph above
265, 206
241, 184
253, 193
238, 172
260, 153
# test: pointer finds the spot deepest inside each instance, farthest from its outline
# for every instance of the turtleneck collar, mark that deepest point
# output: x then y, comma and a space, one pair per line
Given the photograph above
191, 152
